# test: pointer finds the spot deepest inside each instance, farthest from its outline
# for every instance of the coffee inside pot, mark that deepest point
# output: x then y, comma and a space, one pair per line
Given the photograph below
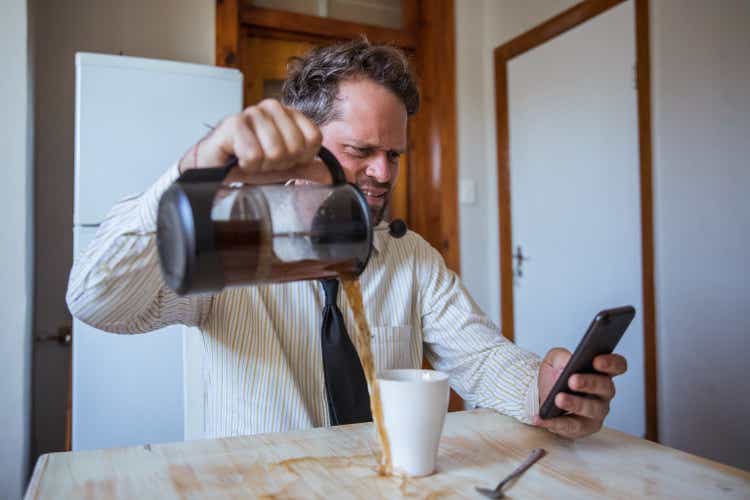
211, 235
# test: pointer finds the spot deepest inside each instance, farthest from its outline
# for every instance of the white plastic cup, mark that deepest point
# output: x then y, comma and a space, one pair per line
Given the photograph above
414, 406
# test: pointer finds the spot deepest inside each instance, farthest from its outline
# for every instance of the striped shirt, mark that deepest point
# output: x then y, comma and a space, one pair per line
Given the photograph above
264, 370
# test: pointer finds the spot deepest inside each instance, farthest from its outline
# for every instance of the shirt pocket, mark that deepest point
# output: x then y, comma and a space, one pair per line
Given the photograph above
391, 347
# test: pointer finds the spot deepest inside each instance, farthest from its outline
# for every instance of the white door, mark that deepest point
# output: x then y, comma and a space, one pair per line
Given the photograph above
575, 194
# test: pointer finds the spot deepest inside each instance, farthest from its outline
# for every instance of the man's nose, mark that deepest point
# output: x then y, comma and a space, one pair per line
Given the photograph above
378, 168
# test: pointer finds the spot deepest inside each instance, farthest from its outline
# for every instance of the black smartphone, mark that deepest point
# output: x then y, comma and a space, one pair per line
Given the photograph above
605, 331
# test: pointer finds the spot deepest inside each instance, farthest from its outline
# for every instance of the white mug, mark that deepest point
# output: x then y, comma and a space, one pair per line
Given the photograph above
414, 406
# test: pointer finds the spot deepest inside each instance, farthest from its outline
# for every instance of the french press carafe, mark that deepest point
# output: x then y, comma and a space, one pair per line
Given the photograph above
212, 235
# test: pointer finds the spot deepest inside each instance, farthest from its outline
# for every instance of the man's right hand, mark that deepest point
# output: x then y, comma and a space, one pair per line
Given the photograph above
267, 137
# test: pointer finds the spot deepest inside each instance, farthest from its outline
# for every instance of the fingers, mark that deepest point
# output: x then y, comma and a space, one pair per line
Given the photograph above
591, 408
597, 385
282, 127
291, 133
557, 358
265, 137
286, 136
611, 364
586, 414
245, 145
571, 427
310, 133
552, 366
274, 151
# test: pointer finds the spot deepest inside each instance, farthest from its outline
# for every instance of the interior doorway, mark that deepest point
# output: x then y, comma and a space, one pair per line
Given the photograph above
574, 174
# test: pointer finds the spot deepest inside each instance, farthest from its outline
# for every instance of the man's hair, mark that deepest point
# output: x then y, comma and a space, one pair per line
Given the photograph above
312, 83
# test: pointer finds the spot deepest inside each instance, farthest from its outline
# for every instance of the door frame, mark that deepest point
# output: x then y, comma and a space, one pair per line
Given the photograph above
557, 25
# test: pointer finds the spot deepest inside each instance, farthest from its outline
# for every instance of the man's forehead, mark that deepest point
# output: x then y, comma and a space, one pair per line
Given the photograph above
371, 115
358, 142
364, 136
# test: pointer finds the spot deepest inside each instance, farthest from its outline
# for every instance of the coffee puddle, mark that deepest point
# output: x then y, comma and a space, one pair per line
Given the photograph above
362, 338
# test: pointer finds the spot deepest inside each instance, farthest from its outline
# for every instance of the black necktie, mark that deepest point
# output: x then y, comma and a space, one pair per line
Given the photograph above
346, 386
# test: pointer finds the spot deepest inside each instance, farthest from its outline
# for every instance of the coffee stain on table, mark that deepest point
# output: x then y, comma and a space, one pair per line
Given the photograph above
291, 464
184, 480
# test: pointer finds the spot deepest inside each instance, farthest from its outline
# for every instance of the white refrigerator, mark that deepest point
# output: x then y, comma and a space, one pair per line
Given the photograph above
133, 118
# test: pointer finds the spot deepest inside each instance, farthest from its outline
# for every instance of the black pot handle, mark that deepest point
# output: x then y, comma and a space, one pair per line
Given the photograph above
334, 167
213, 174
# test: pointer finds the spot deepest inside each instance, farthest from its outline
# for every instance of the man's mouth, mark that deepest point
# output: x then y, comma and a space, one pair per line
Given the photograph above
374, 193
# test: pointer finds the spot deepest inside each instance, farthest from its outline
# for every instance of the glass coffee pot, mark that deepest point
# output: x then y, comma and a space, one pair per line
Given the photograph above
212, 235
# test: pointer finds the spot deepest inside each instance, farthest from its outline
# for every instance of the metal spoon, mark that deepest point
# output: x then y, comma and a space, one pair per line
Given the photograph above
535, 455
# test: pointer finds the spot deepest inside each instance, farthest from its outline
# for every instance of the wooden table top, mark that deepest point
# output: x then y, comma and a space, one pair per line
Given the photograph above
477, 448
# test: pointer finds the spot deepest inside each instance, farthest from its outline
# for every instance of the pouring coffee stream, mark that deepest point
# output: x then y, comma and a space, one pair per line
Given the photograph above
211, 235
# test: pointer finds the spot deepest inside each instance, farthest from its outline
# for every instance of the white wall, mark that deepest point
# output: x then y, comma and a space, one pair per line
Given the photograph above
482, 25
181, 30
472, 71
15, 250
701, 119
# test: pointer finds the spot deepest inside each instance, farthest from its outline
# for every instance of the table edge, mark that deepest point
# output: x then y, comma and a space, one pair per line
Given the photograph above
32, 490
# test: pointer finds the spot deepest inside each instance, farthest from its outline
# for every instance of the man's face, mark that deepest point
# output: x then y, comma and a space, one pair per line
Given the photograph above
368, 138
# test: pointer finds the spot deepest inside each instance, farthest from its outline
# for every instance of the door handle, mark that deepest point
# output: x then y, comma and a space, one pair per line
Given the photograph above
519, 258
63, 336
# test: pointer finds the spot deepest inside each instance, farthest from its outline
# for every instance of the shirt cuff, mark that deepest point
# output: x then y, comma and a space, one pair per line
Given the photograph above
532, 397
149, 201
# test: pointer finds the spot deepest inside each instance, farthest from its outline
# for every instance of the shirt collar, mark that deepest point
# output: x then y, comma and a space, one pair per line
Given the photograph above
378, 241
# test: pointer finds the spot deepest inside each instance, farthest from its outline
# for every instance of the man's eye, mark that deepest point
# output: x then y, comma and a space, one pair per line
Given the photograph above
358, 152
393, 156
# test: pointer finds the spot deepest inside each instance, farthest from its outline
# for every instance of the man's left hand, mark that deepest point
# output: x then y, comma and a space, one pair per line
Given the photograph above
585, 414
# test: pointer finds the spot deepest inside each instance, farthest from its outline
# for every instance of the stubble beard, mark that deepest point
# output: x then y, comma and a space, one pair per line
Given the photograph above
377, 213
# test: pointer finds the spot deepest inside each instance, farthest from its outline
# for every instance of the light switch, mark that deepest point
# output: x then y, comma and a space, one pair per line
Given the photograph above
467, 191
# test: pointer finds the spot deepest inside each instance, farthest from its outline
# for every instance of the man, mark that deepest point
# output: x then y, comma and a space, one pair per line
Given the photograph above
267, 367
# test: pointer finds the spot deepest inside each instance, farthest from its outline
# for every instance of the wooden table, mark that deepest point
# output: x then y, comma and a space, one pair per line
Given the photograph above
477, 448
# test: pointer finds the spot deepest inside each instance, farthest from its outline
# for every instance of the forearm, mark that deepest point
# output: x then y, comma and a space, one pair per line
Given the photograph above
116, 284
486, 369
507, 381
